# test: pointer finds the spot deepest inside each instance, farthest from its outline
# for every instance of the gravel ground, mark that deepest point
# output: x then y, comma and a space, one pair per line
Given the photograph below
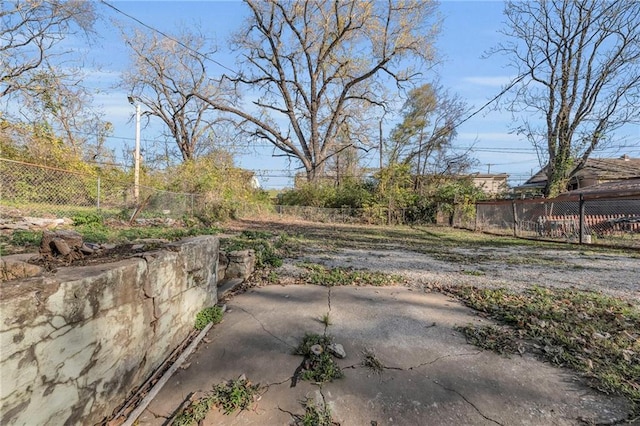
613, 275
517, 267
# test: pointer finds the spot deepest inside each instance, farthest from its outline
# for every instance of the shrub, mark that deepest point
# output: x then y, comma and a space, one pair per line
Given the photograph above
212, 314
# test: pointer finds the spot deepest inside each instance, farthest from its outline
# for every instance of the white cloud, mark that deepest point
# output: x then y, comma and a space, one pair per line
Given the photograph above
496, 81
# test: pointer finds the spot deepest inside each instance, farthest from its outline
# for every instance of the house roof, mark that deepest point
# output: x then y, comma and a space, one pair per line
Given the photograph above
596, 168
626, 187
496, 176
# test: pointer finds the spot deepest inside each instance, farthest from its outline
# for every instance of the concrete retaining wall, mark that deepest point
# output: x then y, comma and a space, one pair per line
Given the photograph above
76, 343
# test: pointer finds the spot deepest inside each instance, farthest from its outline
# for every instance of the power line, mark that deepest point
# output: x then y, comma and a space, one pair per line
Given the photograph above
195, 52
507, 88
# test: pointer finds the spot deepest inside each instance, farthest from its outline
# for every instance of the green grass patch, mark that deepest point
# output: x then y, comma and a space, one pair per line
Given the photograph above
594, 334
319, 368
212, 314
321, 275
266, 246
473, 272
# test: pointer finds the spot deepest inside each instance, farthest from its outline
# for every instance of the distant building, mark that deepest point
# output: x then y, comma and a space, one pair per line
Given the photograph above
490, 184
596, 171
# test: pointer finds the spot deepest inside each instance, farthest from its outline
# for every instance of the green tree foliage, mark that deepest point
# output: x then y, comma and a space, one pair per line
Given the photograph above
424, 137
224, 191
38, 144
390, 196
351, 192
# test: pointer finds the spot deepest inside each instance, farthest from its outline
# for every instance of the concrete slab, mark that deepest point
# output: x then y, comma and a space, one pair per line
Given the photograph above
432, 377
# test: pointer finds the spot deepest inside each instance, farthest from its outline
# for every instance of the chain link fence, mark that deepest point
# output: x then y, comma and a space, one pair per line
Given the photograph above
374, 215
593, 219
33, 190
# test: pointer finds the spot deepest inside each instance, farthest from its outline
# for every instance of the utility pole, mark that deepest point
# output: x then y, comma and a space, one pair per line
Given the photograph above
380, 141
136, 167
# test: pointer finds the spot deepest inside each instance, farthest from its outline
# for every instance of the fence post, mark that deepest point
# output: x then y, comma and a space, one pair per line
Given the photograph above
98, 197
515, 218
581, 220
475, 224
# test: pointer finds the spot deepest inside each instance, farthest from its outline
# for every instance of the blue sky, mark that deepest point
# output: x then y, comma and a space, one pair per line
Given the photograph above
469, 29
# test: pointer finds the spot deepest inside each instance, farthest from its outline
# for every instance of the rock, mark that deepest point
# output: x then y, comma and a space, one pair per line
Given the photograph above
338, 350
242, 263
61, 246
60, 242
316, 349
223, 262
86, 249
13, 267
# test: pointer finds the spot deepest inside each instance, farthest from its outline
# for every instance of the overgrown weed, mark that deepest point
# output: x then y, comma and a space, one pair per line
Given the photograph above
594, 334
314, 415
318, 367
330, 277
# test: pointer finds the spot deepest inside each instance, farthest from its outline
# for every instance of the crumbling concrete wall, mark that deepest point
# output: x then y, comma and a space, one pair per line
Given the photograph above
74, 344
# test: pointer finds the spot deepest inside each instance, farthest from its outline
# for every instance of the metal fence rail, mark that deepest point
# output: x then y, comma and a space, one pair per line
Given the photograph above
583, 219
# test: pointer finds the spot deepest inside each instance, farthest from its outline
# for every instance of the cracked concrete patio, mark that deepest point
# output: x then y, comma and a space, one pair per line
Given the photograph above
431, 376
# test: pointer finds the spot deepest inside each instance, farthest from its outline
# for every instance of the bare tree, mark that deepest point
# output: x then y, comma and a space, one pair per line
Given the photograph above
60, 101
319, 66
164, 75
579, 61
30, 32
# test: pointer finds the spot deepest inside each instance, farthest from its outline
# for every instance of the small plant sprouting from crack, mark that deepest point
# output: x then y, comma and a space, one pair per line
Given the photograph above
194, 413
326, 319
314, 415
230, 396
235, 395
371, 361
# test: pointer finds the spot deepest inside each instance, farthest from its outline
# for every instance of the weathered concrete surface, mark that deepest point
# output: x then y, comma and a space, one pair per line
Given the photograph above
432, 377
241, 264
75, 343
15, 267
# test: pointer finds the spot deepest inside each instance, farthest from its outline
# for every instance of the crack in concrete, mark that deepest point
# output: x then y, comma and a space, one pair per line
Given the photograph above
442, 357
265, 329
157, 416
467, 401
278, 383
386, 367
327, 321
